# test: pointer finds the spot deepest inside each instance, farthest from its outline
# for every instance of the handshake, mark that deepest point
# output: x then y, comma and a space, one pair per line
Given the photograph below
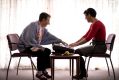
69, 45
63, 44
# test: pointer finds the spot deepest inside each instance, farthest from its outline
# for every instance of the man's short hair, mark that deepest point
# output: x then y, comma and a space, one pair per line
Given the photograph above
43, 15
90, 11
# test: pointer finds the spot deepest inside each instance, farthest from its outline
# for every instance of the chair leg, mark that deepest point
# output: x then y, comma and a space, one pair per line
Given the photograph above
18, 65
88, 66
107, 66
33, 64
32, 68
113, 69
8, 68
85, 59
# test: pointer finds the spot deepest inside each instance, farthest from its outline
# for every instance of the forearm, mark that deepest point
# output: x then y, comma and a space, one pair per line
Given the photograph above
81, 41
53, 39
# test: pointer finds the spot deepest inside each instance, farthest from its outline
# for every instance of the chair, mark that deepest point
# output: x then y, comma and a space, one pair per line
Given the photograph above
13, 40
109, 43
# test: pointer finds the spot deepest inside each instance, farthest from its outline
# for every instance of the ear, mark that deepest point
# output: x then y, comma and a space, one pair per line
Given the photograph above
89, 15
43, 19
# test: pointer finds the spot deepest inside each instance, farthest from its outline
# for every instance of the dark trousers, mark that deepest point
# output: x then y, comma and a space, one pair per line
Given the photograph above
43, 58
99, 49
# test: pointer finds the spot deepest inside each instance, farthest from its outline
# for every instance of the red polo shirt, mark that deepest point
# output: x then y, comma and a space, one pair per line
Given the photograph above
96, 32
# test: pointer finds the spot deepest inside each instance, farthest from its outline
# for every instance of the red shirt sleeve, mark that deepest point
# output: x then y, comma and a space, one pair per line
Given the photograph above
92, 31
86, 34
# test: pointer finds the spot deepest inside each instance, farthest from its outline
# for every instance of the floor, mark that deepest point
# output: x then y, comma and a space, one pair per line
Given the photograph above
59, 75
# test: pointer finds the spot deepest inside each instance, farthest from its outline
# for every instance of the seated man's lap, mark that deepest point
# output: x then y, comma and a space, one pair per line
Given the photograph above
84, 50
38, 53
90, 50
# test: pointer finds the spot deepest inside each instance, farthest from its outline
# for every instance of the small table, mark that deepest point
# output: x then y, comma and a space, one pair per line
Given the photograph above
71, 57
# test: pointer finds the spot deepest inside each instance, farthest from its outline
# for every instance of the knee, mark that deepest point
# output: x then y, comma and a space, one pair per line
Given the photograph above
48, 51
77, 51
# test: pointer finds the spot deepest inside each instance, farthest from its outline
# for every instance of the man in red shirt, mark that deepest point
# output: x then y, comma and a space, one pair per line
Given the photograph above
97, 33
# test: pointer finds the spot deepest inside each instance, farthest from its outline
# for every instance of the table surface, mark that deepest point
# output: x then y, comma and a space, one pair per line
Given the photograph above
64, 56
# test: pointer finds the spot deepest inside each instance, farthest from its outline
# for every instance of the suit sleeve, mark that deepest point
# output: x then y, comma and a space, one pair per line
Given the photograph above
50, 39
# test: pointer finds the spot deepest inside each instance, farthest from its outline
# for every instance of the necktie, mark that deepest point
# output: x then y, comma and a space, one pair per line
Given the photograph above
40, 35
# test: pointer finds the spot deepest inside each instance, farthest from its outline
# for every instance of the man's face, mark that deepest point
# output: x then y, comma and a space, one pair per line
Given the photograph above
88, 17
46, 22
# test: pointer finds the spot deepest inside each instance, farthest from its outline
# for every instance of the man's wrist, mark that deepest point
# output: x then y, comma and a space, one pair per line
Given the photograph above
64, 43
76, 44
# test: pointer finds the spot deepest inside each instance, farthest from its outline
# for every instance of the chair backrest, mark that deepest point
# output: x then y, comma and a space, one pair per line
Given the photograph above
13, 40
110, 41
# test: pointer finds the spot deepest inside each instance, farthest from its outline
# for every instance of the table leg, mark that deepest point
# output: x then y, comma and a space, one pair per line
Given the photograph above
52, 69
77, 66
72, 68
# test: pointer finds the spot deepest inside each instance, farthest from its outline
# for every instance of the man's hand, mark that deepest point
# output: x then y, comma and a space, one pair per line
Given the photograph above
80, 42
72, 45
34, 49
64, 43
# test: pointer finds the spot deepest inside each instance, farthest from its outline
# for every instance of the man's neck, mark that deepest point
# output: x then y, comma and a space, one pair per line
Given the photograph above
40, 24
93, 20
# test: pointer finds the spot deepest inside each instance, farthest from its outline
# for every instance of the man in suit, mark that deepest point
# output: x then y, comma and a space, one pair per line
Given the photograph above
97, 33
31, 39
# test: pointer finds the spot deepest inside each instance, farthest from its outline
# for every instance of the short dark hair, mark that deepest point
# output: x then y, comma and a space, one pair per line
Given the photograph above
90, 11
43, 15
